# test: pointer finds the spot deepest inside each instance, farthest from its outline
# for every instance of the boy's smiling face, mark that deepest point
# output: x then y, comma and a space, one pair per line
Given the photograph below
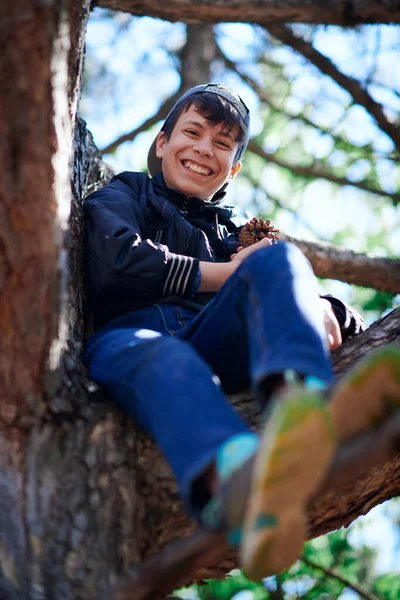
198, 157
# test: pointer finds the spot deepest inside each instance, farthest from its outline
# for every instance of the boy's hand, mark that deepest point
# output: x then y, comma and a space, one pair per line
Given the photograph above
214, 275
332, 327
243, 253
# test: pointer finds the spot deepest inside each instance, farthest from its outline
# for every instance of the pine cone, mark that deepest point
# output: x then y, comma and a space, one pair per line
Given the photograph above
257, 229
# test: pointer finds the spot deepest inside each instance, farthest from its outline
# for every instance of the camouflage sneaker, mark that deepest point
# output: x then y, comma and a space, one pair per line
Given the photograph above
295, 451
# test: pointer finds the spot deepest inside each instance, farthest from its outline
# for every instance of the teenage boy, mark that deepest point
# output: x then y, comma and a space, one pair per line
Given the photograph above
182, 312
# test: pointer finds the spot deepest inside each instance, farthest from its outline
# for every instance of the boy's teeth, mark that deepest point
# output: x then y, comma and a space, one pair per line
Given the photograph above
196, 168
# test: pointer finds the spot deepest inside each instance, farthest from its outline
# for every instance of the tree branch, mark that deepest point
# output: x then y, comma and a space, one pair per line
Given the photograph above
335, 575
338, 12
275, 589
384, 331
359, 94
317, 171
331, 262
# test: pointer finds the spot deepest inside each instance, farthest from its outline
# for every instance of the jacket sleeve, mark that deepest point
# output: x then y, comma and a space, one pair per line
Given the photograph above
120, 258
350, 321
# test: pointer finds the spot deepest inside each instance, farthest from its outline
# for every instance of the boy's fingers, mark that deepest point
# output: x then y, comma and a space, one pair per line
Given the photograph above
335, 340
266, 241
332, 328
335, 334
243, 252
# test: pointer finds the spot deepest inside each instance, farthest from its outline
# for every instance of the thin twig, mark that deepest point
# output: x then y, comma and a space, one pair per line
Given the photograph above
317, 171
359, 94
335, 575
262, 94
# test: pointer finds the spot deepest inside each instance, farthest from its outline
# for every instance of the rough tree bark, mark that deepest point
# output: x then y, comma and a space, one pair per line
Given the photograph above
337, 12
331, 262
84, 495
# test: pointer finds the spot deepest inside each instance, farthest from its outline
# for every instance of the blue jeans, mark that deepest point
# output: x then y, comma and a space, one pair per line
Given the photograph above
168, 366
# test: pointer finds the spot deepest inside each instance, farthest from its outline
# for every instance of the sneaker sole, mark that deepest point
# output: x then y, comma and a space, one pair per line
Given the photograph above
294, 454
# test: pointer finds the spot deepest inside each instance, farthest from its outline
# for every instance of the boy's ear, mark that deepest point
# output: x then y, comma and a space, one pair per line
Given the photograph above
235, 169
160, 143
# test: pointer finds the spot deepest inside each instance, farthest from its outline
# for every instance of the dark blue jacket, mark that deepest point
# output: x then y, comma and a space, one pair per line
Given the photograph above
143, 244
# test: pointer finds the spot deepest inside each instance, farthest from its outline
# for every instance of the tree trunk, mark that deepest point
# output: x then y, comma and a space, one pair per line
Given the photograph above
84, 495
197, 56
337, 12
35, 148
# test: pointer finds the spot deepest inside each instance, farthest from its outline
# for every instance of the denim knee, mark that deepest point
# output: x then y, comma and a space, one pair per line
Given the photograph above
271, 261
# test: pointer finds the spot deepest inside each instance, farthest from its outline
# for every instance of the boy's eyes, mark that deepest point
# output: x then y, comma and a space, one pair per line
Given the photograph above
221, 143
224, 144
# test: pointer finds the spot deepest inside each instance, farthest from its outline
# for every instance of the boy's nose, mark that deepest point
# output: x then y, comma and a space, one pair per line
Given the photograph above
203, 147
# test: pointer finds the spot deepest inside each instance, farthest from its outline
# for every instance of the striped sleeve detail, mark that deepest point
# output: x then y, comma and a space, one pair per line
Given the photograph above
180, 271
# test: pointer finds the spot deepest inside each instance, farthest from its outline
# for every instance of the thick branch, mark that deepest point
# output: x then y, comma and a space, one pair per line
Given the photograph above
315, 170
331, 262
384, 331
337, 12
359, 94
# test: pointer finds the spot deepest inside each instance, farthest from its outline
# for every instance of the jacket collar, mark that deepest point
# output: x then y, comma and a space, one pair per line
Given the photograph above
190, 205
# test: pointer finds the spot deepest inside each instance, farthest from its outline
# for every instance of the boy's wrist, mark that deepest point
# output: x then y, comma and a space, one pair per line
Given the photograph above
214, 275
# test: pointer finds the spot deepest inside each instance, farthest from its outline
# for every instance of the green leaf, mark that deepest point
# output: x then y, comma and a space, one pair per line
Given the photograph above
388, 586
